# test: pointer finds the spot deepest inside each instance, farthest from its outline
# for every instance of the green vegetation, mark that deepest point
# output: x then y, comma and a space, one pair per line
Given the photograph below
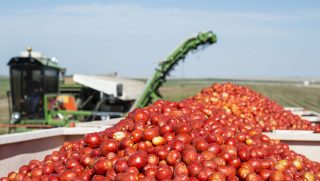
4, 115
285, 93
4, 86
291, 95
175, 90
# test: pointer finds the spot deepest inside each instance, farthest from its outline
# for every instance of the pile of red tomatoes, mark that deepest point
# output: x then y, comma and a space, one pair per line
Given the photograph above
215, 135
251, 107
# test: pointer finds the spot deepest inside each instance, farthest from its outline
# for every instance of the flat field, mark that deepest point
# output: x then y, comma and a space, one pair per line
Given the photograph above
4, 86
286, 93
292, 94
4, 115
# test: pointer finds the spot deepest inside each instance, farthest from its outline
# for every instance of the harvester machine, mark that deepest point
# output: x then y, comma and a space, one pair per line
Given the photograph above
39, 99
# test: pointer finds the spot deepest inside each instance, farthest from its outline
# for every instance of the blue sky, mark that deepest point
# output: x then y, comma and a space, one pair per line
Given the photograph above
255, 38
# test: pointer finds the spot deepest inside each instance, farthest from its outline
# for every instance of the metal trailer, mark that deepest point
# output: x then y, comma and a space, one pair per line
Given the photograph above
19, 148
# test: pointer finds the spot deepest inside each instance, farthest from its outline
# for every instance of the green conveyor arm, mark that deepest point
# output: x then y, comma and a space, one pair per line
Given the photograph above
151, 91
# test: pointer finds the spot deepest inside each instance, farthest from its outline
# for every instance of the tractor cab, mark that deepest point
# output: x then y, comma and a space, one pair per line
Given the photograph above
31, 77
